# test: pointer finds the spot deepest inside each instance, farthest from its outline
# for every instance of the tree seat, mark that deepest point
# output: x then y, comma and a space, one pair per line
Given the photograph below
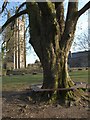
38, 89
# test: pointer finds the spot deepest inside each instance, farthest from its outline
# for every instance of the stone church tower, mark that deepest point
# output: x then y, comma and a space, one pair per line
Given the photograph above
15, 44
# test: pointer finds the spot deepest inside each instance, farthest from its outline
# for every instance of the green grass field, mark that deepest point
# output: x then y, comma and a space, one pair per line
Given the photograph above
79, 76
16, 82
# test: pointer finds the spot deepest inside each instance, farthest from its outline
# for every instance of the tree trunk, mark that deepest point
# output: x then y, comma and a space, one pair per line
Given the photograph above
52, 45
55, 72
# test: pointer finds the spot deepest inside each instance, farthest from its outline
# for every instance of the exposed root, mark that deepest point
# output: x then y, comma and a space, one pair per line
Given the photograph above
53, 98
75, 96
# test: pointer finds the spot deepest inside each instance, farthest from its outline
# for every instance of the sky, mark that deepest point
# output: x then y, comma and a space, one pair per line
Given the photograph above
81, 27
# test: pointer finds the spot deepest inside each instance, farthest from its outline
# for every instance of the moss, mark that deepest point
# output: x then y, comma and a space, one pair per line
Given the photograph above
53, 97
52, 7
56, 83
70, 83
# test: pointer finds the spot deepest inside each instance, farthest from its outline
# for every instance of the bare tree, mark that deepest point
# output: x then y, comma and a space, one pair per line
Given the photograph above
51, 37
83, 42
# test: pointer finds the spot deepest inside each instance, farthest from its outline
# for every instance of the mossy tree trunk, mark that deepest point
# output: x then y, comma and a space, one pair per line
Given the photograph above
51, 37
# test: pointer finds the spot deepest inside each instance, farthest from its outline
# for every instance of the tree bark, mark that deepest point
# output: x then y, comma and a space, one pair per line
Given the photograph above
56, 74
51, 39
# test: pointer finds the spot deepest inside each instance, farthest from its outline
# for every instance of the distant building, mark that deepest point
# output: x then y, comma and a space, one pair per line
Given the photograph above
15, 57
79, 59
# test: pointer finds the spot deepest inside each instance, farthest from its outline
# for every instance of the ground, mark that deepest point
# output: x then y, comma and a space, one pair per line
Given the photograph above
17, 103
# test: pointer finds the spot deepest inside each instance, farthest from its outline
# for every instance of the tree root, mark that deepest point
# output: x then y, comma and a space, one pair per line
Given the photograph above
65, 97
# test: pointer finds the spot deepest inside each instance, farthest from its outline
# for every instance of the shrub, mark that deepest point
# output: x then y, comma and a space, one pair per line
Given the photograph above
79, 68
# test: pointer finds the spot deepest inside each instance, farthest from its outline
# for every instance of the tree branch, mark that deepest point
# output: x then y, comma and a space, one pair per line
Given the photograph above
85, 8
70, 24
44, 5
60, 15
4, 6
46, 8
57, 4
20, 7
12, 19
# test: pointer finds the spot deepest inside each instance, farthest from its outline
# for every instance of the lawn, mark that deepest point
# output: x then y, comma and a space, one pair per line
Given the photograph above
16, 82
20, 81
80, 76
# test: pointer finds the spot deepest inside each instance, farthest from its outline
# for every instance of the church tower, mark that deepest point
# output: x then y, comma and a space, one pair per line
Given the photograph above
15, 40
19, 43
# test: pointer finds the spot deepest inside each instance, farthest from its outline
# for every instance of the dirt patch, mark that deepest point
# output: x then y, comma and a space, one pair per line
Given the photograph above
18, 104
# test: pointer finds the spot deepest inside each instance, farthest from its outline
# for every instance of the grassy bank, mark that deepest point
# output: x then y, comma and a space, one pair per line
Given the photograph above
17, 82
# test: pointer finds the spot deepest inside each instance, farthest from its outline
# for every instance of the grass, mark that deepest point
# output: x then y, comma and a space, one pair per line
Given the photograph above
80, 76
20, 81
17, 82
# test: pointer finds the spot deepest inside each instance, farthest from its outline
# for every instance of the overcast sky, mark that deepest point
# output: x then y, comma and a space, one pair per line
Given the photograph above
82, 27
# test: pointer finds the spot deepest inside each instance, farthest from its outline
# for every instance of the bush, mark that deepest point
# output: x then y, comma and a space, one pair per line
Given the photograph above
86, 68
79, 68
34, 73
